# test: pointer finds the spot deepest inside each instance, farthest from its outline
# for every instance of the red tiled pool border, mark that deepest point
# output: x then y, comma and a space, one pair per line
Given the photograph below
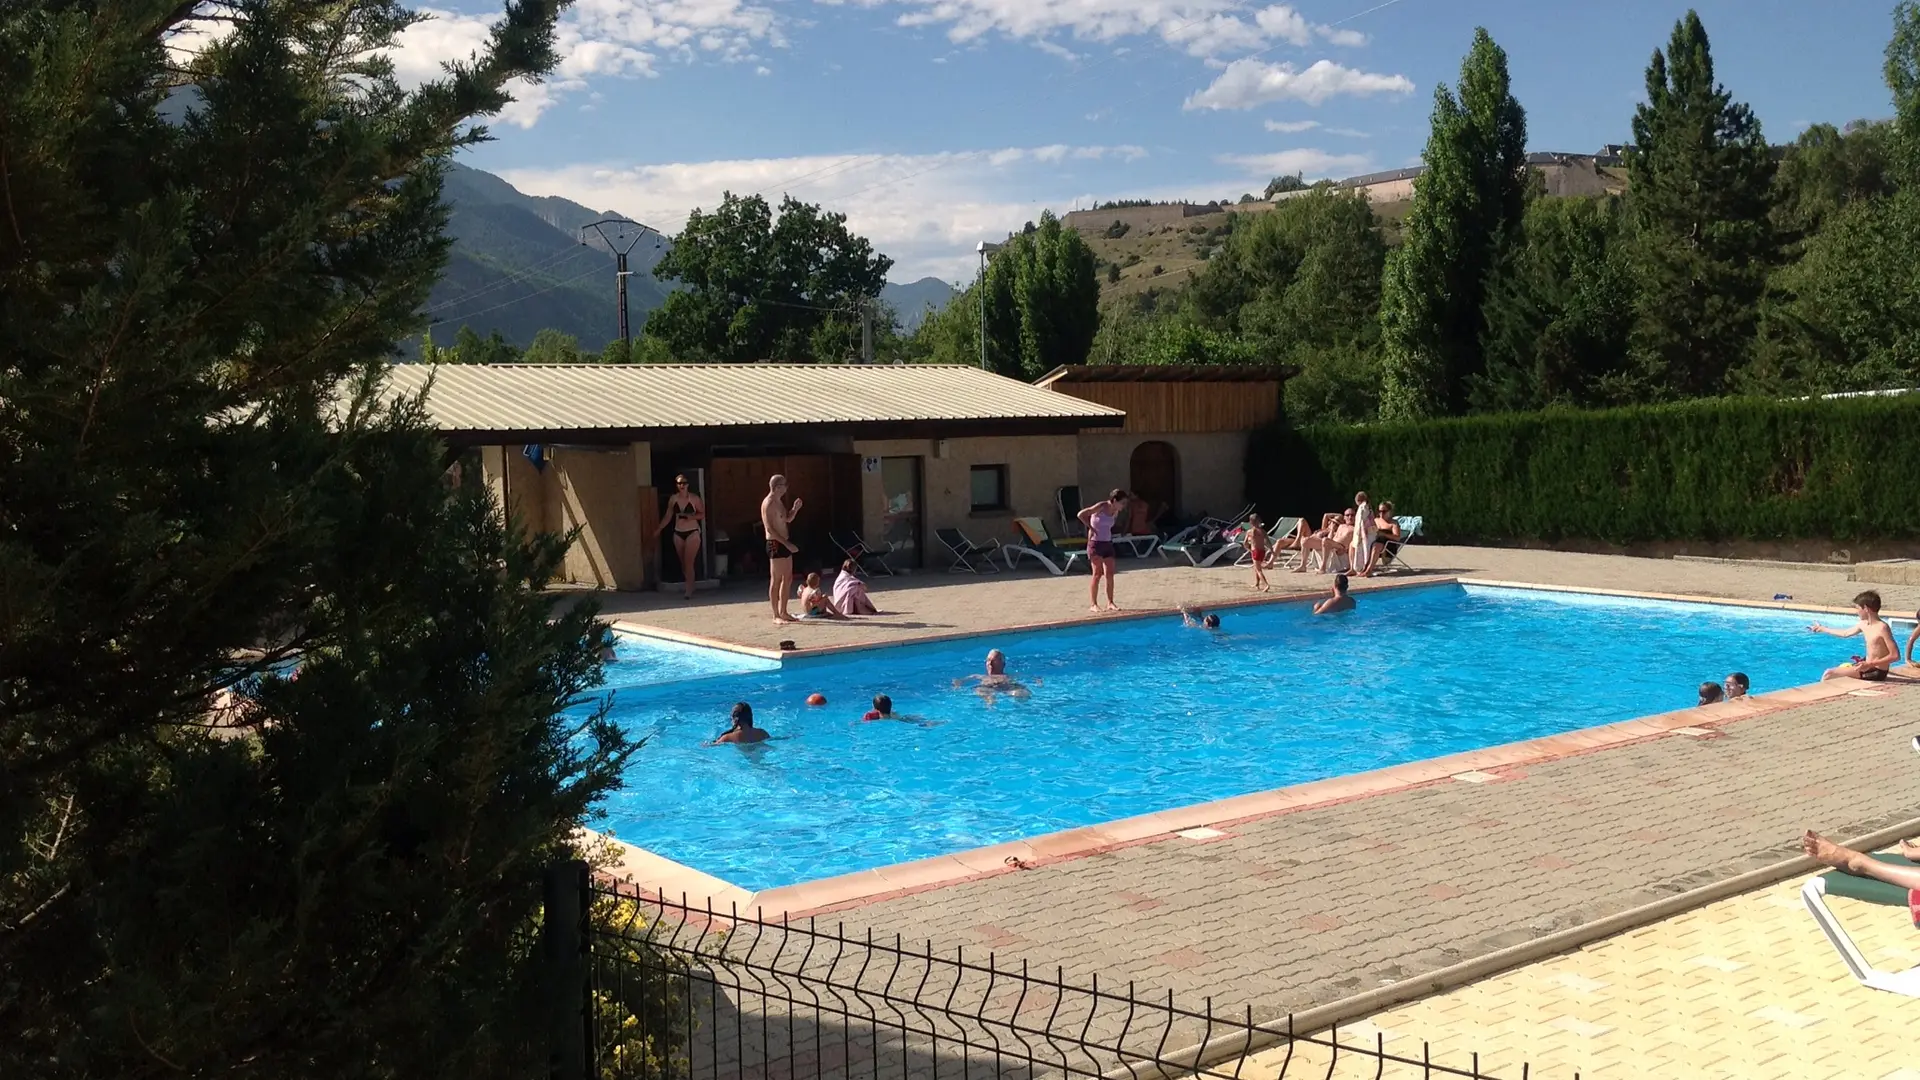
1493, 764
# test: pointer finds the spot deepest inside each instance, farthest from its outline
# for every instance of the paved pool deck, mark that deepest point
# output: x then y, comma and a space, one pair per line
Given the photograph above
1308, 905
932, 604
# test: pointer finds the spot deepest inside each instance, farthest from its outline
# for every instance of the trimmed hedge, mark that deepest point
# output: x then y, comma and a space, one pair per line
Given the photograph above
1726, 469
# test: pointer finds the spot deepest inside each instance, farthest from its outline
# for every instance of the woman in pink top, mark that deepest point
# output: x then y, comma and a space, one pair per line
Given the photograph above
1099, 519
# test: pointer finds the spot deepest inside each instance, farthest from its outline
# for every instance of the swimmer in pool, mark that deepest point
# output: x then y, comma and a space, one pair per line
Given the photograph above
883, 710
1339, 600
996, 680
742, 732
1192, 616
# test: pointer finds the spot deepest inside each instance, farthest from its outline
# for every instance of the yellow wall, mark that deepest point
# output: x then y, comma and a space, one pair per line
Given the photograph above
1037, 467
599, 491
1212, 467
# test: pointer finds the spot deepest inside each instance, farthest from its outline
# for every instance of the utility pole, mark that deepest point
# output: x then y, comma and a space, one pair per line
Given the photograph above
621, 236
866, 329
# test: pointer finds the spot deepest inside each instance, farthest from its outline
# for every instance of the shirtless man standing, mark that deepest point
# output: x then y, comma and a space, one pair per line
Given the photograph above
775, 516
1882, 653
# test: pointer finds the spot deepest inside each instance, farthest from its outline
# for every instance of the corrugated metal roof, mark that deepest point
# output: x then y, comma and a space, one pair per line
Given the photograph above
586, 397
1167, 373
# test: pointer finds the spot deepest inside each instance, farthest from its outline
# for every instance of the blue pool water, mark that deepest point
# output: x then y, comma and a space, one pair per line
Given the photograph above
1132, 717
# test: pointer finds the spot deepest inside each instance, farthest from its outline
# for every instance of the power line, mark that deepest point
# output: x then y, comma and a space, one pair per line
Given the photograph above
508, 303
551, 262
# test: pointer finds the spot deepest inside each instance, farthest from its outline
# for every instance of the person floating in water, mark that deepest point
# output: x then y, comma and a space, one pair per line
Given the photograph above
1736, 686
1881, 651
1193, 616
996, 680
1338, 600
1710, 693
883, 710
742, 731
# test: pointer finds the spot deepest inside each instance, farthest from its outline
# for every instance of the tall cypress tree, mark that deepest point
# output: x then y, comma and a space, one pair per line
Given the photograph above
1702, 190
1464, 208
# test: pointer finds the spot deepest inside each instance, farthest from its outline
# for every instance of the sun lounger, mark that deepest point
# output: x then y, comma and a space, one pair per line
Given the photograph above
1038, 544
1205, 547
1228, 522
1869, 890
1409, 529
865, 559
968, 557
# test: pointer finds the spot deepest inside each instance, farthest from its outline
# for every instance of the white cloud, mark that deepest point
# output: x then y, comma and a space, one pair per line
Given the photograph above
1349, 133
612, 38
1203, 28
1311, 163
1292, 127
1249, 82
1286, 24
926, 211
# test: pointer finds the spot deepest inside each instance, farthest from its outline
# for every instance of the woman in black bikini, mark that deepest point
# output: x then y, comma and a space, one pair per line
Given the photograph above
685, 512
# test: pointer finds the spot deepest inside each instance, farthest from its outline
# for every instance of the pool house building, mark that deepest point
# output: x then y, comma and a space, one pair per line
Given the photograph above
892, 452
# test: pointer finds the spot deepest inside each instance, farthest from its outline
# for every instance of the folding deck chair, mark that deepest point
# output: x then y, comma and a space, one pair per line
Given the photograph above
968, 557
1872, 891
1038, 544
865, 559
1409, 529
1282, 531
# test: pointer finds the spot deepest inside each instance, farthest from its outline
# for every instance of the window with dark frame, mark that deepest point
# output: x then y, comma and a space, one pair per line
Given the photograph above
989, 484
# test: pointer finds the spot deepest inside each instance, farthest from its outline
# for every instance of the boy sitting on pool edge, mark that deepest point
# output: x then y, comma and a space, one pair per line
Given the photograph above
1881, 651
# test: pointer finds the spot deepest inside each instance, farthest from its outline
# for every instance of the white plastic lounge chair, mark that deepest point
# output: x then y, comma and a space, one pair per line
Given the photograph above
1814, 894
1140, 545
968, 557
1393, 555
1205, 547
1038, 544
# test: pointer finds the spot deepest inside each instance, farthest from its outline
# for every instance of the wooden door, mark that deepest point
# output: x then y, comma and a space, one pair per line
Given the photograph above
1153, 473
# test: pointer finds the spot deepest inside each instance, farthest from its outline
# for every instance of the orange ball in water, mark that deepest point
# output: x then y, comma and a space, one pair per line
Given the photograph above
816, 699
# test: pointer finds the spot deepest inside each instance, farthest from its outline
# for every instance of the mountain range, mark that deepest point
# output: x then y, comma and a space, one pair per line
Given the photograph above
519, 266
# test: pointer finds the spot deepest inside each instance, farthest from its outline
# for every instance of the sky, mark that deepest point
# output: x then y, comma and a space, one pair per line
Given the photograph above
935, 124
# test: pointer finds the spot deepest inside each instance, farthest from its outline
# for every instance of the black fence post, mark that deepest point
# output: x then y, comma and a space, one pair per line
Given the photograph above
569, 992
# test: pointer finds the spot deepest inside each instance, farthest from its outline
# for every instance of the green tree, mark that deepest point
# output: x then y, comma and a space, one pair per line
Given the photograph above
470, 348
550, 346
1300, 285
1042, 308
1846, 314
204, 253
1466, 207
1558, 312
754, 287
1825, 170
1702, 178
1289, 182
1043, 300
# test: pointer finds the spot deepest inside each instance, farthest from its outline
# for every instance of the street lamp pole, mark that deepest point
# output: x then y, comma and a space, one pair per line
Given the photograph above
984, 250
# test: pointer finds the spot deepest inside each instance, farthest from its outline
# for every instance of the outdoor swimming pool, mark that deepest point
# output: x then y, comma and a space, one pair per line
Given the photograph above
1137, 716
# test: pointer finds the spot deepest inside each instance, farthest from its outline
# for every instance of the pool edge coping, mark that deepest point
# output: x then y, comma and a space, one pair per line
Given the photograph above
1493, 764
681, 637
